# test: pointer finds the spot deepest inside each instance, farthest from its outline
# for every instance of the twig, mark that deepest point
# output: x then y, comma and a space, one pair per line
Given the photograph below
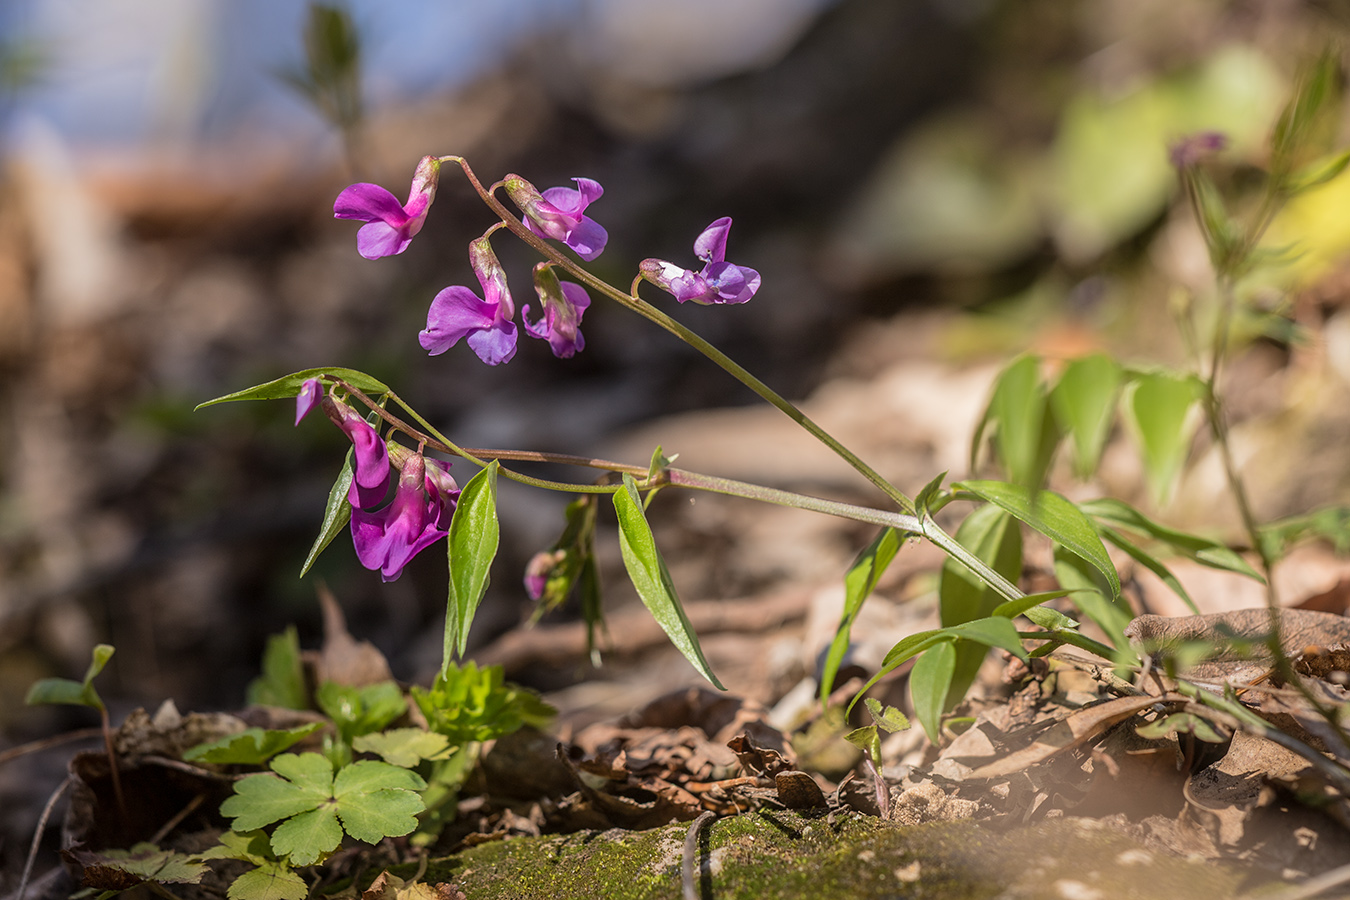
173, 823
690, 856
37, 834
82, 734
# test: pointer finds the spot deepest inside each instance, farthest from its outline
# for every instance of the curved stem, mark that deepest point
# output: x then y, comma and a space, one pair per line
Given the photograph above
654, 315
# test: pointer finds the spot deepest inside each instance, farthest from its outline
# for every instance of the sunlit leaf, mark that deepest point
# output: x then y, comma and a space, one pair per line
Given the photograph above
1158, 405
1121, 515
73, 693
649, 575
474, 537
282, 682
337, 514
1084, 404
860, 581
250, 747
289, 385
929, 682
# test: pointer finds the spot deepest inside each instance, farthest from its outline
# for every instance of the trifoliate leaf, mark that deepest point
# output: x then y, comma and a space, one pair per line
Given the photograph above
259, 800
376, 800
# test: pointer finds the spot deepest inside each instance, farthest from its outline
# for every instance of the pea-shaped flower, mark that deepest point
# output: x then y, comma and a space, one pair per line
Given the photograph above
560, 322
418, 516
484, 322
719, 281
557, 213
390, 225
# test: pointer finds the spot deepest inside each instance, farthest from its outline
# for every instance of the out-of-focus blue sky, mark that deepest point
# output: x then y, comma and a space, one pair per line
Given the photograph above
125, 71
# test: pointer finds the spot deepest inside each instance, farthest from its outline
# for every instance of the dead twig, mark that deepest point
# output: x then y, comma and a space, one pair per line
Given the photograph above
688, 867
37, 834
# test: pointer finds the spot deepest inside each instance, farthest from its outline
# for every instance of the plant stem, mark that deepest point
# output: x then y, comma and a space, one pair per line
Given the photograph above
654, 315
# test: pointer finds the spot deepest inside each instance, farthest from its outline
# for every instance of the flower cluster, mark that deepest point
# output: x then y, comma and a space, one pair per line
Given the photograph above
487, 323
387, 536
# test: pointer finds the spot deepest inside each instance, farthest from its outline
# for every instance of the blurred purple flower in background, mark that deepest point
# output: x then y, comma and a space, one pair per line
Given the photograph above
390, 225
719, 281
485, 323
557, 213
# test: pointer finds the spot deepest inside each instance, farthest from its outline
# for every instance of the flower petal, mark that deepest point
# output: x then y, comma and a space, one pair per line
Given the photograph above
494, 345
455, 312
311, 392
378, 239
587, 239
711, 245
369, 203
731, 283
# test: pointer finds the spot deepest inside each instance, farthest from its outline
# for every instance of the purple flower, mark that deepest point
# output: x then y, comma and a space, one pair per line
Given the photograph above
458, 312
557, 213
390, 226
308, 398
418, 516
718, 282
1195, 147
370, 481
560, 322
538, 570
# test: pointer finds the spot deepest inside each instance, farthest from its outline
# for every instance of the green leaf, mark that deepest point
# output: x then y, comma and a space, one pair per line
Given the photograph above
1308, 122
927, 494
1084, 404
1152, 563
994, 631
467, 704
73, 693
289, 386
887, 717
1181, 723
376, 800
405, 747
1331, 523
474, 537
868, 740
250, 747
270, 881
649, 575
308, 837
253, 847
1054, 517
336, 515
1090, 596
305, 781
1025, 435
1014, 608
1112, 512
361, 710
1158, 407
929, 682
282, 682
1318, 172
110, 869
994, 538
860, 581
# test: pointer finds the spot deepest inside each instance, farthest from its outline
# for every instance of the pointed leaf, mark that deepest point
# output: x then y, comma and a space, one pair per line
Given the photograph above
929, 682
282, 682
1025, 434
1158, 406
1084, 403
270, 881
336, 514
1090, 595
1214, 554
289, 385
250, 747
1014, 608
405, 747
1054, 517
73, 693
1152, 563
649, 575
474, 537
994, 631
860, 581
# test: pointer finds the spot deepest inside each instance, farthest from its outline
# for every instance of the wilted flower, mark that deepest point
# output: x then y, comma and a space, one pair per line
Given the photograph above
390, 225
718, 282
458, 312
560, 322
538, 570
308, 398
557, 213
418, 516
370, 481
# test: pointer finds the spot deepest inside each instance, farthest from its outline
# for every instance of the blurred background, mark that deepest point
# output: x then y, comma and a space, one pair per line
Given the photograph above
926, 187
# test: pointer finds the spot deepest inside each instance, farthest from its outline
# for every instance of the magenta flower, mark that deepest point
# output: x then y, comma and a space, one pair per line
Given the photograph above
418, 516
485, 324
560, 322
719, 281
390, 225
308, 398
1193, 148
370, 481
557, 213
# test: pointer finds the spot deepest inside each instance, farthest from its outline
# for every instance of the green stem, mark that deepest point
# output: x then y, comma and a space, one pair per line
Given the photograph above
654, 315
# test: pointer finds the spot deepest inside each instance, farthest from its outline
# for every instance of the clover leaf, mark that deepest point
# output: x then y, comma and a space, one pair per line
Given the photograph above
369, 800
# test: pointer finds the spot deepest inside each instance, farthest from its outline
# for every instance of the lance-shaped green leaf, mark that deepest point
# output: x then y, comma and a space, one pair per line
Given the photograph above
649, 575
289, 385
929, 683
1084, 403
73, 693
1090, 595
1025, 432
1054, 517
282, 682
474, 537
860, 581
1148, 561
1308, 123
336, 515
1216, 555
994, 631
1158, 407
1330, 523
